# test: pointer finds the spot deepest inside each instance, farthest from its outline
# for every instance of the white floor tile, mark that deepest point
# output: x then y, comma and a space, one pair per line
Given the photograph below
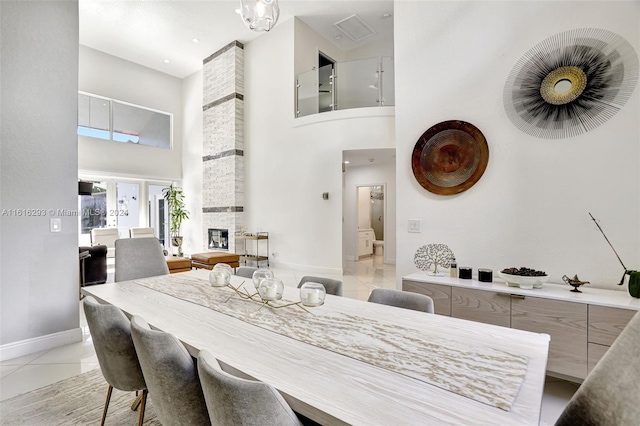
81, 352
555, 398
32, 377
5, 370
23, 360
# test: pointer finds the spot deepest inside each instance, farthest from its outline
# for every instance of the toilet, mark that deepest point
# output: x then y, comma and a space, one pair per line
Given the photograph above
378, 247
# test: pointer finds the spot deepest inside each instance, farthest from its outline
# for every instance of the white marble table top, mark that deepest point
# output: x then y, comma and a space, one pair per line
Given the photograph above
332, 388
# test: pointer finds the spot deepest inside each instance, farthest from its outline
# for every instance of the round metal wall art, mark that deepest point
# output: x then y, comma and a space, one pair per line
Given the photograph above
571, 83
450, 157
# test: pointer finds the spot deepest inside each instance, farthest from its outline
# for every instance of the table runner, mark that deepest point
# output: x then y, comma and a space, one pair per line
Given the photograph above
484, 374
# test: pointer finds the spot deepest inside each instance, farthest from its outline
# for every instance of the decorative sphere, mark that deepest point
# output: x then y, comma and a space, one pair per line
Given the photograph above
271, 289
312, 294
261, 274
219, 277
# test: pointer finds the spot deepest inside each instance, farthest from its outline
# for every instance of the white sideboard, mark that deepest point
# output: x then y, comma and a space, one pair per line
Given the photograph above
582, 326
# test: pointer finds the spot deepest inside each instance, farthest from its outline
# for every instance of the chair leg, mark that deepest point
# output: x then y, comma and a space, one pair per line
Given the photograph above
106, 405
143, 405
136, 403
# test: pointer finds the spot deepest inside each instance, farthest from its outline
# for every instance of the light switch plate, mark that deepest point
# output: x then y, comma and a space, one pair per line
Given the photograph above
55, 224
415, 225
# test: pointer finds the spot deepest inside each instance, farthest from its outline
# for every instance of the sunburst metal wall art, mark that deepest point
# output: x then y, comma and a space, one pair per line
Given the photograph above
450, 157
571, 83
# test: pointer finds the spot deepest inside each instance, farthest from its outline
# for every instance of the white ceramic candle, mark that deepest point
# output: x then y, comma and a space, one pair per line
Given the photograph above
270, 292
313, 297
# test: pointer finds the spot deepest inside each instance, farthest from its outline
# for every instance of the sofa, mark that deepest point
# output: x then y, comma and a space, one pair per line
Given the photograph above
95, 265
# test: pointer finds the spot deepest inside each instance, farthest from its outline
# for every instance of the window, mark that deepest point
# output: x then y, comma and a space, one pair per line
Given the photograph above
108, 119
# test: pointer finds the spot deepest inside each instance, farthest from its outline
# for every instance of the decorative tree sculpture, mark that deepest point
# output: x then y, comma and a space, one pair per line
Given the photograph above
433, 255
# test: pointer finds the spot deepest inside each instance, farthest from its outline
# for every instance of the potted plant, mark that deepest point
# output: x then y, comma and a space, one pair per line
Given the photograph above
177, 213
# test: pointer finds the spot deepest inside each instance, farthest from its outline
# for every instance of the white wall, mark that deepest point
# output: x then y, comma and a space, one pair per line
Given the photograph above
39, 158
290, 162
382, 173
531, 206
192, 95
382, 47
112, 77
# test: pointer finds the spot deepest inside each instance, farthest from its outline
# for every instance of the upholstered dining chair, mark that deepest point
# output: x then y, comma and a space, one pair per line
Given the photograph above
609, 394
245, 271
331, 286
141, 233
235, 401
171, 376
106, 237
139, 258
402, 299
111, 335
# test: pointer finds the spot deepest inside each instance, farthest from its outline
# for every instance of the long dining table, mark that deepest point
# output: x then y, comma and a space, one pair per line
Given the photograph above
349, 361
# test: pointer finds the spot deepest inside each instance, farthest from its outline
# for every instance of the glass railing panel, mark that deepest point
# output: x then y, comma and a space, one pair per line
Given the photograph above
357, 84
388, 81
325, 88
307, 102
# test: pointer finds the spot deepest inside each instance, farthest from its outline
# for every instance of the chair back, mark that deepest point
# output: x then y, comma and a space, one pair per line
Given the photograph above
142, 233
106, 237
331, 286
245, 271
402, 299
171, 376
139, 258
235, 401
111, 335
609, 394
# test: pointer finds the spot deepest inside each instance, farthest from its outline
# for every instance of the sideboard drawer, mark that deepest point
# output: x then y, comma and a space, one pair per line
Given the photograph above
606, 324
441, 294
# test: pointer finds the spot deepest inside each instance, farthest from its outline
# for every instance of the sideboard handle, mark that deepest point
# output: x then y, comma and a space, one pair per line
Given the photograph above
516, 296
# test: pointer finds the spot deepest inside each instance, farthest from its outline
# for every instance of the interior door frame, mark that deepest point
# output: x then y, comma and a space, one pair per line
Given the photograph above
384, 208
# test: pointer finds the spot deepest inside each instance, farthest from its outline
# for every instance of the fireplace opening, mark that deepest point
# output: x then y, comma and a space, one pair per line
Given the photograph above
219, 239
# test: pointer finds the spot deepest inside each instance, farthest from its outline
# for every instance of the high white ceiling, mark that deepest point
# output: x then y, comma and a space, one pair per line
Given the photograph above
148, 32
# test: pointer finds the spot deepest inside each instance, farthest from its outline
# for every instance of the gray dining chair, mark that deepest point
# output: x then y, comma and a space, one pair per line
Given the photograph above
609, 394
171, 376
235, 401
331, 286
402, 299
245, 271
111, 334
139, 258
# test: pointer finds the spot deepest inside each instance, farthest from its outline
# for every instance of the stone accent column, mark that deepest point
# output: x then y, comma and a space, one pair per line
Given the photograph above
223, 141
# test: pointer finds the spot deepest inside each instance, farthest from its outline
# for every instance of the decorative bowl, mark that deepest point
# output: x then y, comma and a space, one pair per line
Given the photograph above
523, 281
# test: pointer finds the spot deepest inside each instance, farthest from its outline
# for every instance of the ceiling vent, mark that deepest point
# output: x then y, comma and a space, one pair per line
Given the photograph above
354, 27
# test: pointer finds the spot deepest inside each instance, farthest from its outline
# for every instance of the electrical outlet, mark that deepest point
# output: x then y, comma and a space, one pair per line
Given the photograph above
415, 225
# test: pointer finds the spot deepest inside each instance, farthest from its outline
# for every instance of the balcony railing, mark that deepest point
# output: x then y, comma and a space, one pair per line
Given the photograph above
344, 85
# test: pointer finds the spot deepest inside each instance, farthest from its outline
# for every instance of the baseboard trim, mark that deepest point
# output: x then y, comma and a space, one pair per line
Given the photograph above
39, 344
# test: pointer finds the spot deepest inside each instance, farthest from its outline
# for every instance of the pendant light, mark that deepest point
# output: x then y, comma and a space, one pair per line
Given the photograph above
259, 15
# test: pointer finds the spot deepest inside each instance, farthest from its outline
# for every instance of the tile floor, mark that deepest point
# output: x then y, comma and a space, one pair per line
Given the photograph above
20, 375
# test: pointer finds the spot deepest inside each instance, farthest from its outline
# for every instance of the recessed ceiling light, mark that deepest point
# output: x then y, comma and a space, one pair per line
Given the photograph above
386, 15
337, 36
195, 40
238, 11
166, 61
346, 161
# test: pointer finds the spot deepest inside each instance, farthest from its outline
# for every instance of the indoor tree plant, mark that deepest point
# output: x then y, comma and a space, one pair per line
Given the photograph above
177, 213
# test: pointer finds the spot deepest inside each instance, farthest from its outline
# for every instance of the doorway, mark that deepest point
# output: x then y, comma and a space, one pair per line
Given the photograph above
368, 205
326, 69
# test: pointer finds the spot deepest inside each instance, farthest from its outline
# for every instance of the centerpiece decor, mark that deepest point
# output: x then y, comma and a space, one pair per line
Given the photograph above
268, 288
312, 294
433, 255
